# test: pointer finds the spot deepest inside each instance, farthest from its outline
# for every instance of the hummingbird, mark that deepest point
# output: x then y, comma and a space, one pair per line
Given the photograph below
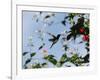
54, 39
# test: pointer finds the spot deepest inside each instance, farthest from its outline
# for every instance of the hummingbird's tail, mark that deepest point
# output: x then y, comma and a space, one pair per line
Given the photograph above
51, 46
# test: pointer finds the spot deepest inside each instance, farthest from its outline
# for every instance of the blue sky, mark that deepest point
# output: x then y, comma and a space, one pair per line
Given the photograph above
31, 36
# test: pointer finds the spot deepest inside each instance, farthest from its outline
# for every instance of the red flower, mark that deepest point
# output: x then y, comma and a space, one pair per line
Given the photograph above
81, 30
86, 37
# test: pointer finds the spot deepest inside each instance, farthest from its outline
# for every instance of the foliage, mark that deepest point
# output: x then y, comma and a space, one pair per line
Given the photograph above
78, 29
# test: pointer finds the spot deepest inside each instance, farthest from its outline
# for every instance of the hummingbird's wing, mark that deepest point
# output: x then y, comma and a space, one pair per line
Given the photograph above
52, 40
51, 35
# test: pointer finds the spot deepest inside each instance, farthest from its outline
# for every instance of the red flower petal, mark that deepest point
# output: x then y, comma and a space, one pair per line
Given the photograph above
81, 30
85, 37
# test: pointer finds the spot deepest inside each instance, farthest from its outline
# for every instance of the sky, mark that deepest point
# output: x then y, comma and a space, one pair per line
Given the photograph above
31, 40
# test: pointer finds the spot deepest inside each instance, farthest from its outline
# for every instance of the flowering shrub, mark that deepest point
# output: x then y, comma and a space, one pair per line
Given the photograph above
49, 47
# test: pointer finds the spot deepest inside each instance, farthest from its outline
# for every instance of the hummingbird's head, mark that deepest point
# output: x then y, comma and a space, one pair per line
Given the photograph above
59, 35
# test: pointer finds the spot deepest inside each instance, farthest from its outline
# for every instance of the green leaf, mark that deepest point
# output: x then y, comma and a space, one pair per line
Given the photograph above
36, 66
87, 48
74, 58
43, 64
48, 16
65, 47
69, 36
51, 59
27, 61
86, 30
24, 53
66, 17
87, 44
74, 36
32, 54
86, 58
63, 58
71, 15
49, 56
64, 22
